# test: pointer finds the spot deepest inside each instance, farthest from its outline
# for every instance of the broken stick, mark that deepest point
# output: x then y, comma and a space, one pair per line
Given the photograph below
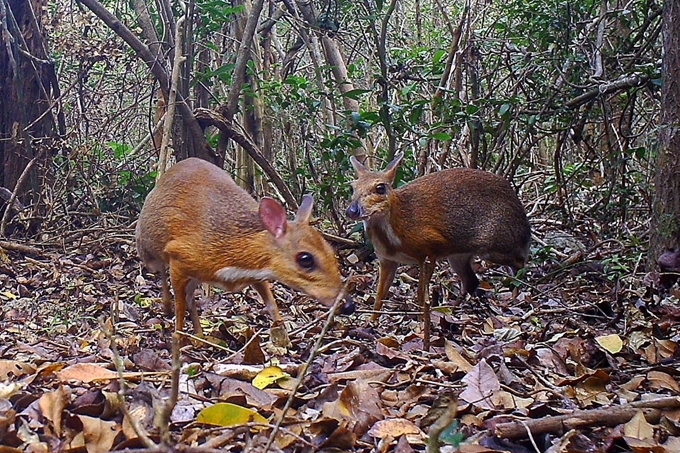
608, 416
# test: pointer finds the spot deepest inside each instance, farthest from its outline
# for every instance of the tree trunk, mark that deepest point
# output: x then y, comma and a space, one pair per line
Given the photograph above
336, 61
665, 228
27, 86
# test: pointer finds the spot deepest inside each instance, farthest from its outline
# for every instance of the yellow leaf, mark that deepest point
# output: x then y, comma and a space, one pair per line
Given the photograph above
52, 406
638, 427
611, 343
393, 428
268, 376
9, 295
14, 368
3, 256
228, 414
99, 434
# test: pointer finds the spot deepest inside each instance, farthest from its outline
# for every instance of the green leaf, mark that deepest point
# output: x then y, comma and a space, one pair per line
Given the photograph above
224, 72
355, 94
119, 149
471, 109
451, 435
438, 56
442, 136
372, 117
504, 109
228, 414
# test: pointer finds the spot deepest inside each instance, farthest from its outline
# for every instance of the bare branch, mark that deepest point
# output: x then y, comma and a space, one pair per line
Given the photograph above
17, 187
157, 69
636, 80
212, 118
242, 58
172, 99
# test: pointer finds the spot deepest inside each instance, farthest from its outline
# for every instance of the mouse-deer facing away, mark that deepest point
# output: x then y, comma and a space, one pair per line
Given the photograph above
198, 224
454, 214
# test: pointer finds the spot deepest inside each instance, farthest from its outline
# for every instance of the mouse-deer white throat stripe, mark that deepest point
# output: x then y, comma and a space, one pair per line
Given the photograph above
392, 236
234, 274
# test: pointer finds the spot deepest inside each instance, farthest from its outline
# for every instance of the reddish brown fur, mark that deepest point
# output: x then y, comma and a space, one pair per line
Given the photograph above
197, 222
455, 214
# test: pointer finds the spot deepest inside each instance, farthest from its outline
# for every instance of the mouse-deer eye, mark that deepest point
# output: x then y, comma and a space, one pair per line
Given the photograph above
381, 189
306, 261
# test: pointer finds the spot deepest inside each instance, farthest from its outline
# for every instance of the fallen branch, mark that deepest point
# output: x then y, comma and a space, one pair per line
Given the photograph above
25, 249
607, 416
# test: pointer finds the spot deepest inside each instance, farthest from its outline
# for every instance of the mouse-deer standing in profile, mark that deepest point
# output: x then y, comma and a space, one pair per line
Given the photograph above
454, 214
198, 224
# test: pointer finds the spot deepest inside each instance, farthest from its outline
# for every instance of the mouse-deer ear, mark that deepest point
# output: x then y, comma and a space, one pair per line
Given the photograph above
273, 215
304, 212
358, 166
391, 169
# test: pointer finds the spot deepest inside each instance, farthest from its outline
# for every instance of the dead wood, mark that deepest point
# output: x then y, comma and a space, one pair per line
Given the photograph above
607, 416
25, 249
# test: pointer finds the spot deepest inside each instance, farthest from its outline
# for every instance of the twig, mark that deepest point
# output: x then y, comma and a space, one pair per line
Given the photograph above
17, 187
252, 338
118, 362
141, 144
342, 241
440, 425
27, 249
203, 340
390, 312
608, 416
224, 439
438, 384
167, 407
6, 195
172, 99
530, 435
305, 367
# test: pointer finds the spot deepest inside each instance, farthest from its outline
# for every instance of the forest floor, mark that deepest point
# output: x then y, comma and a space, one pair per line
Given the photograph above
584, 359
